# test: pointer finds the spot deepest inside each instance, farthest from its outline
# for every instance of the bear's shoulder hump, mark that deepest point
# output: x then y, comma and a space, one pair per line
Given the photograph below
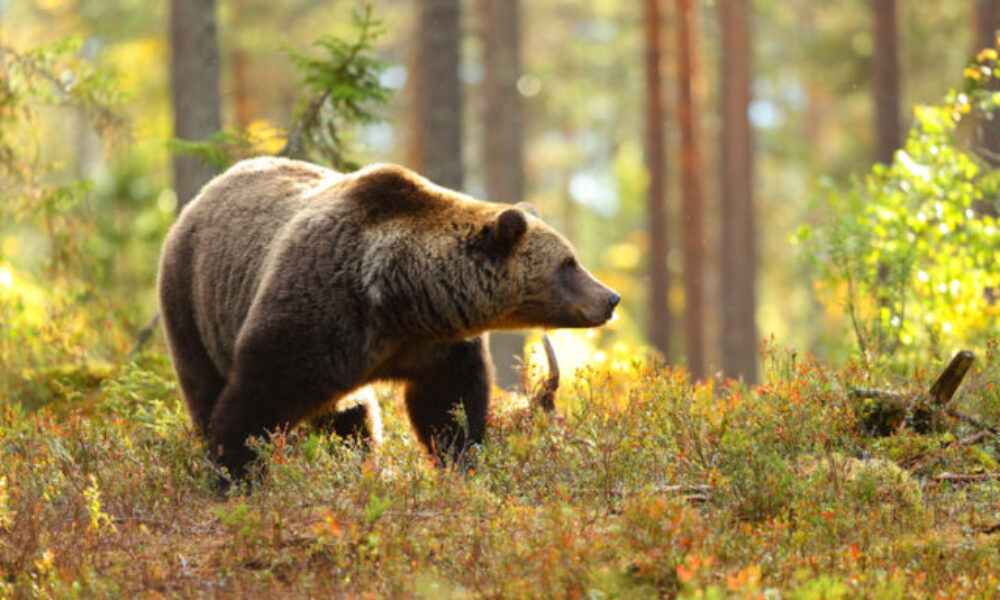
393, 190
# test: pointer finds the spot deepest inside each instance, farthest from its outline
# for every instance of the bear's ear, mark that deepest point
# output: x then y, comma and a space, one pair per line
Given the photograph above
510, 227
529, 208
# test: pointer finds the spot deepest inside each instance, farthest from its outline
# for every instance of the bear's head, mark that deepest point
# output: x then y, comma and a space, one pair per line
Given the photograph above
551, 288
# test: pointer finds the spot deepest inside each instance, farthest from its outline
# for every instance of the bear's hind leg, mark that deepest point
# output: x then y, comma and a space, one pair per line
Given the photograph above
460, 377
201, 384
361, 420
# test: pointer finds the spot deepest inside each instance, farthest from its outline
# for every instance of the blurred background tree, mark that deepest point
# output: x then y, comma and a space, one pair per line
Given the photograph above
502, 142
553, 103
194, 89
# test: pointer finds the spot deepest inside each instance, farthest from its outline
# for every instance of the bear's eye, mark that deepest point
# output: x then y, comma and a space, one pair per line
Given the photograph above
568, 263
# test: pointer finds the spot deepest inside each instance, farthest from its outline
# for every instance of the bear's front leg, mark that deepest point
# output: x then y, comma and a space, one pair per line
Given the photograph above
458, 376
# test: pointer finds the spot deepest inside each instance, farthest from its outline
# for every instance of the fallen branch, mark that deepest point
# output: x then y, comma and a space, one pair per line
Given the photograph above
937, 398
966, 477
949, 380
975, 438
691, 493
875, 394
983, 426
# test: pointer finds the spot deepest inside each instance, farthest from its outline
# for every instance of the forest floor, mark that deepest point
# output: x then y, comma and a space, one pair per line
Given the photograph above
643, 485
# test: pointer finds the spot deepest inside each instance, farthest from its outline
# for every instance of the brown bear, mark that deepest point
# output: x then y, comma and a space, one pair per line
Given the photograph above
284, 286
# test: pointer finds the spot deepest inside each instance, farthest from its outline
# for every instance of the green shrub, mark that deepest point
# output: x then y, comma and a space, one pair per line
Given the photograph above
909, 251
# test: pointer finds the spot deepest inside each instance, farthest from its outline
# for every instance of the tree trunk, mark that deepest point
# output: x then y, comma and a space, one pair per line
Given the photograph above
739, 266
439, 116
503, 152
986, 21
242, 99
885, 80
194, 71
658, 320
691, 196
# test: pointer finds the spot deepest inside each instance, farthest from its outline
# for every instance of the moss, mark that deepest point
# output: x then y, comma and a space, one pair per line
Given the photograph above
875, 481
61, 386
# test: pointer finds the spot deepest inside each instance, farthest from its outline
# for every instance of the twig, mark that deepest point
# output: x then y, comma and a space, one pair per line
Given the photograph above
144, 334
64, 89
294, 145
972, 421
545, 397
966, 477
981, 436
991, 529
693, 493
146, 521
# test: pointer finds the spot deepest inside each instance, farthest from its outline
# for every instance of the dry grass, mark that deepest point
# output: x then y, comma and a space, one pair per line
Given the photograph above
643, 486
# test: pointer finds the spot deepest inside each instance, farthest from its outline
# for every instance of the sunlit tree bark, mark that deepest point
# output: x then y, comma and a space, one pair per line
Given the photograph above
885, 79
502, 148
692, 239
739, 265
438, 117
194, 70
986, 23
658, 319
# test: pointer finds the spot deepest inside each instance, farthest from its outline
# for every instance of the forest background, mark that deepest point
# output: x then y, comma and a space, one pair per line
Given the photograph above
797, 201
550, 103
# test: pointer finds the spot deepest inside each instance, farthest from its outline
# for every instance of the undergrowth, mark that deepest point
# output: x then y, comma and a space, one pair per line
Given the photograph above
644, 485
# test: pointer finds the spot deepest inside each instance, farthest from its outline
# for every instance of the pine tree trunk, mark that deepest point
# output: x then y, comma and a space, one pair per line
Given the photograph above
242, 99
194, 70
658, 320
503, 152
739, 265
885, 73
691, 195
439, 116
986, 22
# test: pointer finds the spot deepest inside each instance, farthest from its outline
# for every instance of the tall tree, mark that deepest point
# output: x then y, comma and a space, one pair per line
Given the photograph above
885, 79
503, 145
739, 266
194, 71
692, 239
438, 101
240, 61
658, 320
986, 23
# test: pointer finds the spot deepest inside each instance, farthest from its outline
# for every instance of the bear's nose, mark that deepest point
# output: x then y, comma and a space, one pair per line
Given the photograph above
613, 300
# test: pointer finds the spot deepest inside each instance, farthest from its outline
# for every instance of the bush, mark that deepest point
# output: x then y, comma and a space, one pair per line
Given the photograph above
911, 248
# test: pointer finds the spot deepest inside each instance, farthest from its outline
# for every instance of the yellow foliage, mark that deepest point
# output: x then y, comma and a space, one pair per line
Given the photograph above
266, 137
132, 59
624, 256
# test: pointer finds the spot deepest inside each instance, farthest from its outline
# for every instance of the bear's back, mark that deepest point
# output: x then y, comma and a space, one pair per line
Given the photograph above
224, 235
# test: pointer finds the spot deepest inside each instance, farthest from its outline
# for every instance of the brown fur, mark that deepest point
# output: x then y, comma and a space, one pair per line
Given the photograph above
284, 286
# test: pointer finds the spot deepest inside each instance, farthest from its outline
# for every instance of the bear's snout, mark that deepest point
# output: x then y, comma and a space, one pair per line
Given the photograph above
613, 300
601, 303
